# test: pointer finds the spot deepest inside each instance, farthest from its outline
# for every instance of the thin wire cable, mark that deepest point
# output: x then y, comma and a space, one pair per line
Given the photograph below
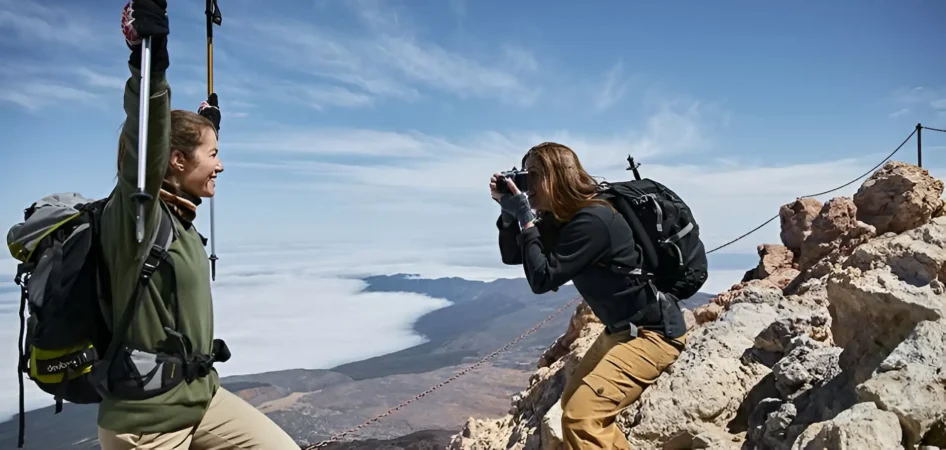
933, 129
820, 194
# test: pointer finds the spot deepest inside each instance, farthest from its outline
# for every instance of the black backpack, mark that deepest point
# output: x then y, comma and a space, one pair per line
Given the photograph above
665, 231
65, 285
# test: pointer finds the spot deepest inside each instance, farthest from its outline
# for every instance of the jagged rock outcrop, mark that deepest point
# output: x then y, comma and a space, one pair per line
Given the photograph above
861, 427
850, 353
899, 197
834, 235
796, 218
523, 427
580, 319
776, 264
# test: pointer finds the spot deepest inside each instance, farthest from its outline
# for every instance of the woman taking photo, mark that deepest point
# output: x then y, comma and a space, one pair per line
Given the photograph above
586, 236
160, 389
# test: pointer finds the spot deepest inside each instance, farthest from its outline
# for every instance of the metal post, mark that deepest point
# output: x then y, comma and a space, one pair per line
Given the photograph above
919, 145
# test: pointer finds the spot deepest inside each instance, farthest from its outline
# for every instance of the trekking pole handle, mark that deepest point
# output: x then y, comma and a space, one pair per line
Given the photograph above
141, 196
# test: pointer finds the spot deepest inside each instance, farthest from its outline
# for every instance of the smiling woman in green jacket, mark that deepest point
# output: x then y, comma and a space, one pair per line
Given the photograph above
162, 390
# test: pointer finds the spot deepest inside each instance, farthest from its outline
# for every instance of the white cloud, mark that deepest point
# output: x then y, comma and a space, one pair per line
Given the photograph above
899, 112
268, 301
264, 318
320, 98
613, 89
386, 58
35, 86
519, 59
32, 22
341, 141
440, 188
94, 78
415, 160
927, 103
34, 96
918, 95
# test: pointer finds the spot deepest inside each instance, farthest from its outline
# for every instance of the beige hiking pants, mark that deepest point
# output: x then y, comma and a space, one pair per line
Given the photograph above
230, 423
610, 377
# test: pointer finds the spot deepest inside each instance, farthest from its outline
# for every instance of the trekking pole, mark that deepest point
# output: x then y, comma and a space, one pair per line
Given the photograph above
142, 196
213, 17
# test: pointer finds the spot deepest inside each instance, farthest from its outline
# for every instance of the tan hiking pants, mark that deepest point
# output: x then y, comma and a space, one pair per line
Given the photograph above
610, 377
230, 423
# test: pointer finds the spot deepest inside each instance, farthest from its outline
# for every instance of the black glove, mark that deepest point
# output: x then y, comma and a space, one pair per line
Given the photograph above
147, 18
211, 110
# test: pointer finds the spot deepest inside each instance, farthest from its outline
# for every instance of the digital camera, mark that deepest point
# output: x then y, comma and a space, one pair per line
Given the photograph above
519, 177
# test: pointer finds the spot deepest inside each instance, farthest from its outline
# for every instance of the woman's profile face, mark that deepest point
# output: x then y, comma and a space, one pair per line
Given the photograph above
537, 195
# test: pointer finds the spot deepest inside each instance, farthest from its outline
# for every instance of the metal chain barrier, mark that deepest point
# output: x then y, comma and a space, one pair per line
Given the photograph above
459, 374
819, 194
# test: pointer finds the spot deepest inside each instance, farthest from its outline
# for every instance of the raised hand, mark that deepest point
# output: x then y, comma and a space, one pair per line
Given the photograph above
211, 110
143, 19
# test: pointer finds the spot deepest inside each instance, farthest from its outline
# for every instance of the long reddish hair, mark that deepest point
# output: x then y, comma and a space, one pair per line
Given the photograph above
557, 173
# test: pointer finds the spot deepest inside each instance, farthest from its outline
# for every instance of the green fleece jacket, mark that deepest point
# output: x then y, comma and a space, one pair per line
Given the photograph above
184, 405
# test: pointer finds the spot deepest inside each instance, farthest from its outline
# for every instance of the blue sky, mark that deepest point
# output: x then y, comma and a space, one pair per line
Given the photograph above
367, 130
376, 124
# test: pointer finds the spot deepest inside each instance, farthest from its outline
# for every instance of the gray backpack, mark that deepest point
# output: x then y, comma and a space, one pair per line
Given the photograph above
65, 288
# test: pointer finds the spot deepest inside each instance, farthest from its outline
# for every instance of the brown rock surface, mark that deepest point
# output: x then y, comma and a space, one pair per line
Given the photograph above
775, 265
899, 197
835, 230
707, 313
582, 317
795, 219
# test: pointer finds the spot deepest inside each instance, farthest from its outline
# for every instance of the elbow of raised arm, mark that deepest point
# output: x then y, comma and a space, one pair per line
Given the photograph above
511, 259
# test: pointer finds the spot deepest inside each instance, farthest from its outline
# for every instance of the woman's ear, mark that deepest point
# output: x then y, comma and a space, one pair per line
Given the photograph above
177, 161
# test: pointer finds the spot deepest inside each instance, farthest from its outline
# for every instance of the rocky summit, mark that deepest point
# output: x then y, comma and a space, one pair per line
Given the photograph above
836, 340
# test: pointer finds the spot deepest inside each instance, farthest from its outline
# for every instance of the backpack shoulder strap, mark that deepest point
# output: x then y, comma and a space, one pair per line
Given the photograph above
157, 254
620, 192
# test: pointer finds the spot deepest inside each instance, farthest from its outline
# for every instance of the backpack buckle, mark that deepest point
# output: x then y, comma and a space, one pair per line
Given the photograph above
23, 273
155, 256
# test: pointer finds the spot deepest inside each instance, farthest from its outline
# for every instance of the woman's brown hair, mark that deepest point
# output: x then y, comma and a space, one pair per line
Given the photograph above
187, 129
564, 183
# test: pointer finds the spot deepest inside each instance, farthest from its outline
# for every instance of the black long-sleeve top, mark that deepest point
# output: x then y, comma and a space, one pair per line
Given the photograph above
580, 251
